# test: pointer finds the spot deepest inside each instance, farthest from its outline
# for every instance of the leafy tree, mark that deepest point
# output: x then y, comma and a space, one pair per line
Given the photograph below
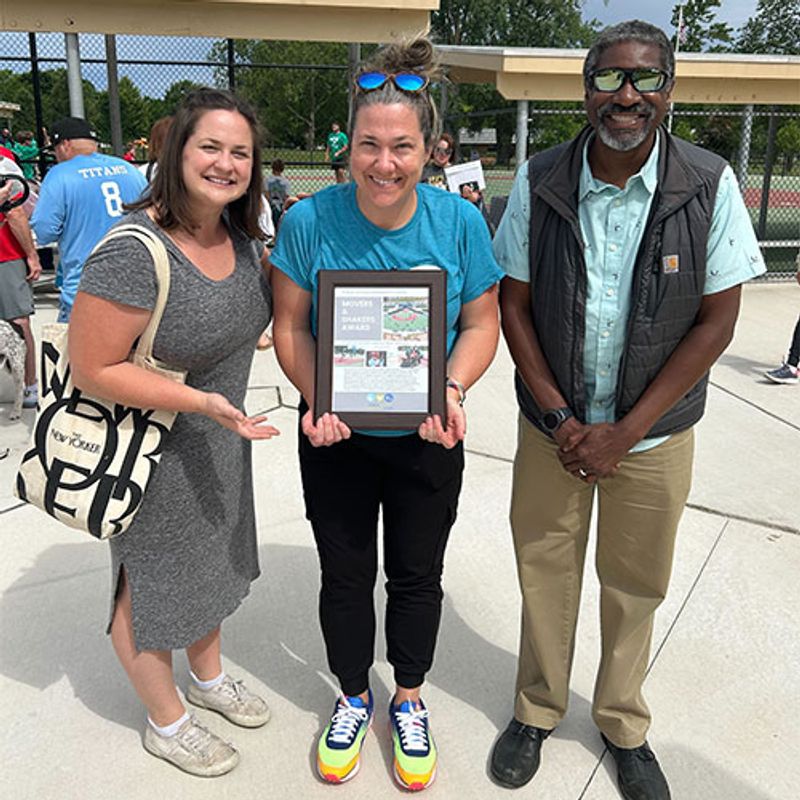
531, 23
512, 23
720, 134
133, 113
463, 22
787, 141
774, 28
701, 30
296, 105
17, 89
174, 96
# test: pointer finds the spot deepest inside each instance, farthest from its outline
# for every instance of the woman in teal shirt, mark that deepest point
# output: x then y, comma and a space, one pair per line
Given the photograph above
384, 220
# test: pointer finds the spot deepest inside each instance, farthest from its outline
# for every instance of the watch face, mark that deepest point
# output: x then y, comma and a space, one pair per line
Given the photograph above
550, 420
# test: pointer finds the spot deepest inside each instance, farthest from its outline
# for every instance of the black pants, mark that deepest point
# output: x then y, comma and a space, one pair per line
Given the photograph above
416, 484
794, 350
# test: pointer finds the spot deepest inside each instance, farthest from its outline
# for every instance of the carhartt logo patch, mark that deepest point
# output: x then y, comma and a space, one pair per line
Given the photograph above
670, 264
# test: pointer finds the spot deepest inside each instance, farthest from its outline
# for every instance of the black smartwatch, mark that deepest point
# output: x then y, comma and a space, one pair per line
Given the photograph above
554, 418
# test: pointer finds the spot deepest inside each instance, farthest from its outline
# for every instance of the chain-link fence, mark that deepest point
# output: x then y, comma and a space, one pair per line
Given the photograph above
300, 88
762, 145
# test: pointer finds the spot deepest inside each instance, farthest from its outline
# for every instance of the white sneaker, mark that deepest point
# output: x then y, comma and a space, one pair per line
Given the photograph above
194, 749
233, 700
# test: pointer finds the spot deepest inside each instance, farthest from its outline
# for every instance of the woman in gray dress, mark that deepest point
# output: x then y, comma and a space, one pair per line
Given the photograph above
188, 558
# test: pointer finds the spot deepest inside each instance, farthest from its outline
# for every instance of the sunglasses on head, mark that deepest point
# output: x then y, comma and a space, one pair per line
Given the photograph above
405, 81
612, 79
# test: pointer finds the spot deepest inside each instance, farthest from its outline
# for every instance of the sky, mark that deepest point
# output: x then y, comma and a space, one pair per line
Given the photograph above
734, 12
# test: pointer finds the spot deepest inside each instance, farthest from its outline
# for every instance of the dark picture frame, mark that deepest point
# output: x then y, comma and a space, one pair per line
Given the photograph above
430, 339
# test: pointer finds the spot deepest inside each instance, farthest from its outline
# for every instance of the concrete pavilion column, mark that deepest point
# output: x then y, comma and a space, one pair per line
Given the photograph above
522, 132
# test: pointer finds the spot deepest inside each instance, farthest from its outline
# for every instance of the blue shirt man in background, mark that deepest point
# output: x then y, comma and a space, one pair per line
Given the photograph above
625, 250
81, 197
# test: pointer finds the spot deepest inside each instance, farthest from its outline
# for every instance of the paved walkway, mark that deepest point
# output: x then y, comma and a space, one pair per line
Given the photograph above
724, 684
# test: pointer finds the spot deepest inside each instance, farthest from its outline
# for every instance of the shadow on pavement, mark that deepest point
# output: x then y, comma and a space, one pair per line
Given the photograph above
52, 622
691, 776
746, 366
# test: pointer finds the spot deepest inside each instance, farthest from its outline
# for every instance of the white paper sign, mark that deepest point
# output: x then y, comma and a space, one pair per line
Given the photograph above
470, 172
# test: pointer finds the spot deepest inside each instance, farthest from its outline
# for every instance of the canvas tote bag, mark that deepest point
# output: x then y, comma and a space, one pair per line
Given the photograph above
91, 459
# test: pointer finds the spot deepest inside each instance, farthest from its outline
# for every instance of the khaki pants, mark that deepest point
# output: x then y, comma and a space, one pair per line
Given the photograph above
638, 514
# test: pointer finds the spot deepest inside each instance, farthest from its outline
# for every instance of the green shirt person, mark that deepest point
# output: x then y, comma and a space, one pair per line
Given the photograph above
27, 151
335, 151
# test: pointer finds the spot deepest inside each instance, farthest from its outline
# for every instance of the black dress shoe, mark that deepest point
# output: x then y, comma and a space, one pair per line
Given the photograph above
638, 774
516, 754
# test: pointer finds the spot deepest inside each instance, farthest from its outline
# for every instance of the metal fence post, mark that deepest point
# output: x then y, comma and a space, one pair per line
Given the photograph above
74, 84
231, 66
114, 114
37, 101
522, 132
744, 147
769, 161
353, 58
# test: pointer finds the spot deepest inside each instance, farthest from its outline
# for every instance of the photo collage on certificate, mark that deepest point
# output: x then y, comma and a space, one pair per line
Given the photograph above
381, 338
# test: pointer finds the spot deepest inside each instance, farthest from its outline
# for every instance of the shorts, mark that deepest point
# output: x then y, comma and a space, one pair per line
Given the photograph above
339, 164
16, 294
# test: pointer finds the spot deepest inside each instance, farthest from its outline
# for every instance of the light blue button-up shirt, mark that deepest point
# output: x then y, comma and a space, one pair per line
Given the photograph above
612, 223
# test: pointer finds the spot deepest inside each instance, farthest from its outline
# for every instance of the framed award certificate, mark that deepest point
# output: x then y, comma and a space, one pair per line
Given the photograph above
381, 347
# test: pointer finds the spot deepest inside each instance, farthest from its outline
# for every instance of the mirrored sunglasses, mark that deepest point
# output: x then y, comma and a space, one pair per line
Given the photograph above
405, 81
612, 79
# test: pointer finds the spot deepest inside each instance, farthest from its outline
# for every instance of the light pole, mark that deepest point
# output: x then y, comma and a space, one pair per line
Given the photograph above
678, 35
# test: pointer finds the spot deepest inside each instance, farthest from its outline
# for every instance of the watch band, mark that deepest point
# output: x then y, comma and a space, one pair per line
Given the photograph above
452, 383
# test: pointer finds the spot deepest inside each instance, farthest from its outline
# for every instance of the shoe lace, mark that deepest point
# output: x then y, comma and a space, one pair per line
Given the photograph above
412, 729
345, 722
197, 738
234, 689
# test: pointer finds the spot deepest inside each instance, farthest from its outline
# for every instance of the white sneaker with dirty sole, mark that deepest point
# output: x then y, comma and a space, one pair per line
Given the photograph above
233, 700
194, 749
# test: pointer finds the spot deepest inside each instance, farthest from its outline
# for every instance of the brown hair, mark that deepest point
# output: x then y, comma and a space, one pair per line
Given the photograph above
158, 136
167, 194
415, 56
451, 142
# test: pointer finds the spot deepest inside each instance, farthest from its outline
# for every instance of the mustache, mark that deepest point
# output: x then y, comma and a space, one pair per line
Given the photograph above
637, 108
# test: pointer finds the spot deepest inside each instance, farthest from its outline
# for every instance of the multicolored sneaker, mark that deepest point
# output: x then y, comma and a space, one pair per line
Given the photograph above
414, 748
339, 748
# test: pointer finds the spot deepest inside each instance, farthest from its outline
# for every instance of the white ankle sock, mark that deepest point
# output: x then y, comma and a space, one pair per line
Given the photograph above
206, 685
169, 730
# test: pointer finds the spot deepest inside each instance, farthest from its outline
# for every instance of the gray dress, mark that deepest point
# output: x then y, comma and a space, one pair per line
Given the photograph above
191, 552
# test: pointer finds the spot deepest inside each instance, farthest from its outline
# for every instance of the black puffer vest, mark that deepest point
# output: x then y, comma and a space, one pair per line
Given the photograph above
668, 276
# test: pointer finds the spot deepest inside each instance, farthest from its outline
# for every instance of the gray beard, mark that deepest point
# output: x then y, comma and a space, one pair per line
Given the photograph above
622, 142
625, 141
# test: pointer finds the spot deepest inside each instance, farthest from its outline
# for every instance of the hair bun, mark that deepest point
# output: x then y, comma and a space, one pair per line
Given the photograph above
409, 55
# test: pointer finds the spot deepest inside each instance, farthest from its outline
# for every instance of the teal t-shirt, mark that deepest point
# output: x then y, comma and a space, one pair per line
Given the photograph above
336, 141
328, 231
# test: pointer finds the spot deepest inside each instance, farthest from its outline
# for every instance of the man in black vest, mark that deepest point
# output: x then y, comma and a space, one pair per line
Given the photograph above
625, 251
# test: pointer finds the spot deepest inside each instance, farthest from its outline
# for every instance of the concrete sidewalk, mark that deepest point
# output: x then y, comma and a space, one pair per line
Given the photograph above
723, 686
